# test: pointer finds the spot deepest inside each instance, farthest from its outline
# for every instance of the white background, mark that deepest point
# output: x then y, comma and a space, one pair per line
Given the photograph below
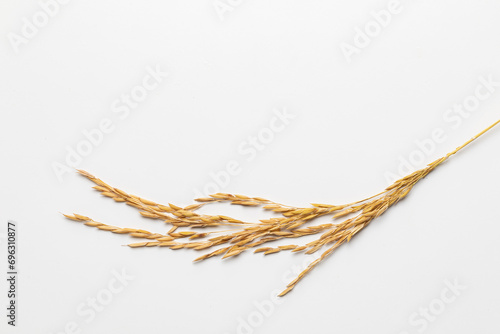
353, 123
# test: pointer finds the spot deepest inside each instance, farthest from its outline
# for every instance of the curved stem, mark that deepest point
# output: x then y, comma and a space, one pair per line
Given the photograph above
473, 138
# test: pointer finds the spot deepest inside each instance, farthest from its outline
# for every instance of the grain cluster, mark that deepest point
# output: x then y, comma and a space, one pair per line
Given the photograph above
228, 237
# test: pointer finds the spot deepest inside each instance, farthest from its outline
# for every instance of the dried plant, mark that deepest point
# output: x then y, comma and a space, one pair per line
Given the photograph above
243, 236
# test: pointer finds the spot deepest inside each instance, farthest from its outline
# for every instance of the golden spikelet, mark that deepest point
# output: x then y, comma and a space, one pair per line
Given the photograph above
250, 235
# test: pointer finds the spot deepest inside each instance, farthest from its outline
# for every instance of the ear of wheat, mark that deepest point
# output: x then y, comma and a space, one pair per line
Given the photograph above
242, 236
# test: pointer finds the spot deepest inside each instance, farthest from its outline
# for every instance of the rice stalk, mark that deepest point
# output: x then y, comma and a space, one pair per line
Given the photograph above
243, 236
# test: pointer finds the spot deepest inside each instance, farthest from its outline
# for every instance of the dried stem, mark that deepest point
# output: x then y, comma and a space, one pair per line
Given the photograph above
243, 236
